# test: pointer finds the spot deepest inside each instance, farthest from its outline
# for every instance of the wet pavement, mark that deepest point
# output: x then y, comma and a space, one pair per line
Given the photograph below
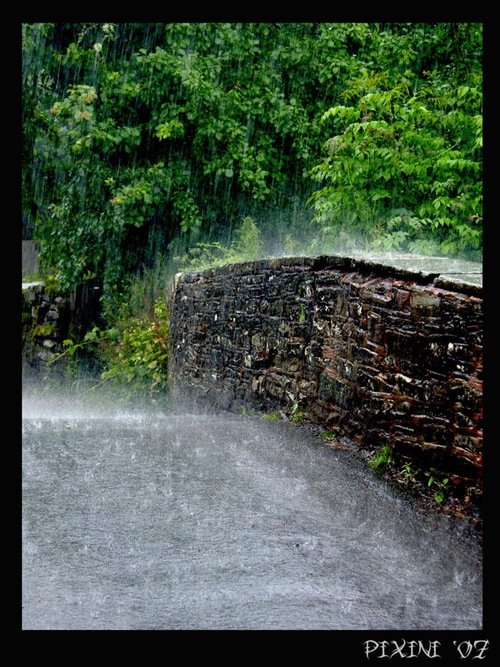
179, 520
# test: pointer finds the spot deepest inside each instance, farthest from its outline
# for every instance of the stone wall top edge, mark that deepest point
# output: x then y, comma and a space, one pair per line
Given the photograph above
32, 285
341, 262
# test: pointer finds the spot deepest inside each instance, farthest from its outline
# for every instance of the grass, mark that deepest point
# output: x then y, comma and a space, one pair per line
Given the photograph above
297, 416
441, 486
275, 415
381, 457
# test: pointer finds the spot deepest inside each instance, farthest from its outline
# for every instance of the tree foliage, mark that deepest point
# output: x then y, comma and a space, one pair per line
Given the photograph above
136, 135
404, 164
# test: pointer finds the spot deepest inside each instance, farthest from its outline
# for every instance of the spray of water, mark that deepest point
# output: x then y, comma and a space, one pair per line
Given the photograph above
179, 519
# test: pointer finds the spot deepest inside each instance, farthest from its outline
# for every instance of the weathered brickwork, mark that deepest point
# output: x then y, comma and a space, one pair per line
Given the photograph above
378, 355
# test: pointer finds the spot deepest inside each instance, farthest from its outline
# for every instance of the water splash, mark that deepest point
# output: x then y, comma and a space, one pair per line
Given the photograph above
179, 520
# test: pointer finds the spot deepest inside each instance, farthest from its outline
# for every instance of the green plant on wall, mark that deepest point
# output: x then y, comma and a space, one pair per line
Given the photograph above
43, 330
274, 415
302, 314
381, 457
441, 486
408, 471
297, 415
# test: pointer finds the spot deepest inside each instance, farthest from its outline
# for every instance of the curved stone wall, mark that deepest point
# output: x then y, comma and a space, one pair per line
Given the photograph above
377, 353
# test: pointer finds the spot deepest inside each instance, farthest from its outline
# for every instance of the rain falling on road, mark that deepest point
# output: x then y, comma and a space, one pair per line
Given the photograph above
175, 519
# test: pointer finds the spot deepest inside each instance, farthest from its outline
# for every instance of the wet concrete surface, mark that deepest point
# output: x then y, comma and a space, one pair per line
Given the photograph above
177, 520
450, 270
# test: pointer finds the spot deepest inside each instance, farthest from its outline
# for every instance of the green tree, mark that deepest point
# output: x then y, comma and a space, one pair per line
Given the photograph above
184, 132
139, 137
403, 168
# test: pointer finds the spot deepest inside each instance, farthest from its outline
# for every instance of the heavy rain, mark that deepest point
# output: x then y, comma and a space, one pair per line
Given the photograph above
151, 149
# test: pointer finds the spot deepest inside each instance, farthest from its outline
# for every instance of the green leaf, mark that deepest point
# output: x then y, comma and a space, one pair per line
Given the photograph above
380, 194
